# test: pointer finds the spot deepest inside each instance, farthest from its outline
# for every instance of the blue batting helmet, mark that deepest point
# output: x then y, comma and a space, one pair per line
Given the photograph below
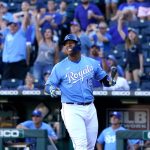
72, 37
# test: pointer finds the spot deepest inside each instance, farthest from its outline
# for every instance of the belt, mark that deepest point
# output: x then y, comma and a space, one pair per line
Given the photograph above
80, 103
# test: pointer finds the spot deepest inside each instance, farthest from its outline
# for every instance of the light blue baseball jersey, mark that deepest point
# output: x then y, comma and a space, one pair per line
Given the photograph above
14, 46
30, 124
108, 138
75, 79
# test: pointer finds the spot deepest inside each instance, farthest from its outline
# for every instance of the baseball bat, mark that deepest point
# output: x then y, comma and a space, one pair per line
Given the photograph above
113, 74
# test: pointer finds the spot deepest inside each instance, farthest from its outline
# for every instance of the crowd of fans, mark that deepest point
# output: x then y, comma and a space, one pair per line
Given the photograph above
32, 32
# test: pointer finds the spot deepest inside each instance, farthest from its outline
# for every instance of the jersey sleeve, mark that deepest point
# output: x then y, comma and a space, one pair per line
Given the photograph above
100, 138
99, 72
26, 124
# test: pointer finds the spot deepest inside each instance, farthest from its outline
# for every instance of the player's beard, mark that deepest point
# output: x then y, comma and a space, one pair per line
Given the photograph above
72, 51
115, 123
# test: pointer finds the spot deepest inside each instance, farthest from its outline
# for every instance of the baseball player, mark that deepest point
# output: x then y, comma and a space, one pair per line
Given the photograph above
37, 123
108, 135
73, 76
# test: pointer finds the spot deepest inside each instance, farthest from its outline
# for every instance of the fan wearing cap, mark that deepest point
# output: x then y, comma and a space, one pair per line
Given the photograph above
134, 65
85, 41
108, 136
14, 52
38, 124
4, 11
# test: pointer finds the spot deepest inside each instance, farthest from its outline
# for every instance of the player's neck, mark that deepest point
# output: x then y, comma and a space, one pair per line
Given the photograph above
115, 126
75, 57
38, 125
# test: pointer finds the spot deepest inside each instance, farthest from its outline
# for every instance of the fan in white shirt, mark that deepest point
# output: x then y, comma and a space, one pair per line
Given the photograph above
121, 84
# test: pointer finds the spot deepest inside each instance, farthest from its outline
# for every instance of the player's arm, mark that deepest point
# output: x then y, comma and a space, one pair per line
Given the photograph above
20, 126
52, 83
109, 81
100, 141
99, 146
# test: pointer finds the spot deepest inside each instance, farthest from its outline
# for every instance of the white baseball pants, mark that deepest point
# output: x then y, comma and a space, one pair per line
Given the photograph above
82, 125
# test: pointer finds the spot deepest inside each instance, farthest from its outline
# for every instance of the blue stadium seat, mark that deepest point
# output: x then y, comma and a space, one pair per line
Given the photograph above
17, 1
14, 7
145, 85
146, 31
139, 24
11, 83
133, 85
147, 69
6, 1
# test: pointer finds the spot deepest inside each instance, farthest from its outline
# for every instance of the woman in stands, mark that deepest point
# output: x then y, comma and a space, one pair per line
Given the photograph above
48, 53
134, 56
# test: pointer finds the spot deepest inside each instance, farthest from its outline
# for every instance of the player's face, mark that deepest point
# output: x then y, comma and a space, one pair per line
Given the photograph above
36, 119
69, 47
13, 28
114, 120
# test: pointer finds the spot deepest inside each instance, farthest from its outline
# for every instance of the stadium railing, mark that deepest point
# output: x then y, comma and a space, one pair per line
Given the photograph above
11, 134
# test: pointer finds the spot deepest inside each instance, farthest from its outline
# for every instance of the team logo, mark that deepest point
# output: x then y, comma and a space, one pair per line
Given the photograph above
74, 77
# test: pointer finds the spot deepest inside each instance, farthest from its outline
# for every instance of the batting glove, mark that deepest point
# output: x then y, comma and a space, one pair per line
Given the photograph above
53, 92
113, 82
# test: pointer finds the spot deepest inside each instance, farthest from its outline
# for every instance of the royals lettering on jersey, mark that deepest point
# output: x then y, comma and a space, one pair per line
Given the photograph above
74, 77
110, 139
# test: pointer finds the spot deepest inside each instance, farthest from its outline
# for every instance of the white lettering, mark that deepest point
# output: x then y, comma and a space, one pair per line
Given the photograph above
9, 133
30, 92
110, 139
142, 93
75, 77
123, 93
126, 118
140, 117
9, 92
100, 93
148, 135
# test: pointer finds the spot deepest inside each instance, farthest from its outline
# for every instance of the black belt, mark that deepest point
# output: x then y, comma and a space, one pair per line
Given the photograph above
80, 103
